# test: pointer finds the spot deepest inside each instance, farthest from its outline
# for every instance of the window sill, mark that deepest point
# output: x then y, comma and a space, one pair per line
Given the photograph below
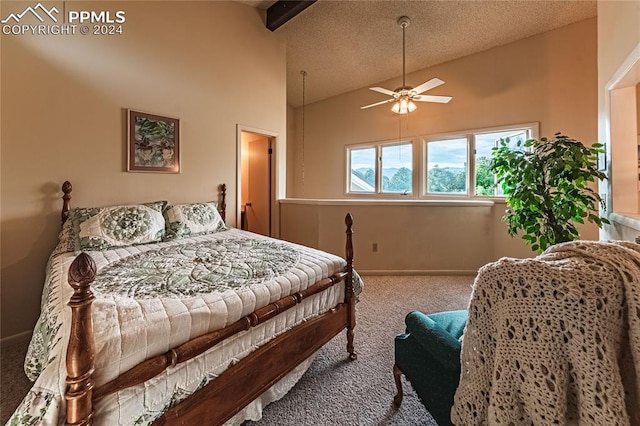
631, 220
393, 202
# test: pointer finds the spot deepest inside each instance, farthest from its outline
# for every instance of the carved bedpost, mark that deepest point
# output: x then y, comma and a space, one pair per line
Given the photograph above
223, 201
81, 351
350, 298
66, 189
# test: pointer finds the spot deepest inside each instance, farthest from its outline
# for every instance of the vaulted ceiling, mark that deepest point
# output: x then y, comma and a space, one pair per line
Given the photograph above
349, 44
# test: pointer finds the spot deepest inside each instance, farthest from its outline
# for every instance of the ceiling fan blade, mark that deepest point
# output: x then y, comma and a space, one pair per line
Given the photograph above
377, 103
432, 98
434, 82
383, 90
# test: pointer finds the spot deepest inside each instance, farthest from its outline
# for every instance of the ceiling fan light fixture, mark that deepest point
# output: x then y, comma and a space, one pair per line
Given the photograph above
404, 96
403, 106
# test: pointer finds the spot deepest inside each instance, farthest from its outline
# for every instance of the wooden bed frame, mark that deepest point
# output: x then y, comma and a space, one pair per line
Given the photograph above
236, 387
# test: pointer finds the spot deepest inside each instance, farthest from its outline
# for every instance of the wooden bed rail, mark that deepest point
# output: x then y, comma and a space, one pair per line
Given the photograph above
80, 393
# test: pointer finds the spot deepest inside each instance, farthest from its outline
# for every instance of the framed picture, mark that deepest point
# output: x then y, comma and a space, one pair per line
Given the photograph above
153, 143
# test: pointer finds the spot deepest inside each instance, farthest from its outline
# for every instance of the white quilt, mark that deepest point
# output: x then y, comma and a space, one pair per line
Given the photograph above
150, 298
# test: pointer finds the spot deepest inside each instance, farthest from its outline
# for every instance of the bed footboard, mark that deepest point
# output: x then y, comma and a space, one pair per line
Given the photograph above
80, 352
350, 296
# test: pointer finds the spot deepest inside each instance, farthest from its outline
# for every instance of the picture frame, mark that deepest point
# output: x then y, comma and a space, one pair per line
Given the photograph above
153, 143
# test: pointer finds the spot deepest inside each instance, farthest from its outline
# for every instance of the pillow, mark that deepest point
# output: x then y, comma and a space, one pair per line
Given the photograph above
65, 239
117, 226
186, 220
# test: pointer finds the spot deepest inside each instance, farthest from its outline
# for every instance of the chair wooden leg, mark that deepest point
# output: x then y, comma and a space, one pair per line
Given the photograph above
397, 375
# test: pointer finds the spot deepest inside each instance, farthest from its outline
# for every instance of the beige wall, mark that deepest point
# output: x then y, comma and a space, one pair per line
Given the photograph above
212, 64
624, 150
517, 83
549, 78
291, 159
638, 110
403, 234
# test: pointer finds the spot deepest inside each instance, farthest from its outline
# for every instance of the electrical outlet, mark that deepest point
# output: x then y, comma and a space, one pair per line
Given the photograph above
374, 247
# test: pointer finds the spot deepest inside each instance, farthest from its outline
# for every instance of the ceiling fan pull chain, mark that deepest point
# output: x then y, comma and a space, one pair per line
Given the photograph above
304, 77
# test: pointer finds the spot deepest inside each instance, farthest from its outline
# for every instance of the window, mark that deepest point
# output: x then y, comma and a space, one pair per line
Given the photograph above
385, 168
449, 165
362, 170
397, 168
484, 142
450, 170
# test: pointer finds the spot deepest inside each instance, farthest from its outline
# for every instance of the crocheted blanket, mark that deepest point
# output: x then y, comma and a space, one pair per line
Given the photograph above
554, 339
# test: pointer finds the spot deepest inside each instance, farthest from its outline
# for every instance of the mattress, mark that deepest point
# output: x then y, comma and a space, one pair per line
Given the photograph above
153, 297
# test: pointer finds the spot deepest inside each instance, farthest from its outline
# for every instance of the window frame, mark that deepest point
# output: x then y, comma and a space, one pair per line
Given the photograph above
424, 190
378, 192
419, 150
532, 128
348, 150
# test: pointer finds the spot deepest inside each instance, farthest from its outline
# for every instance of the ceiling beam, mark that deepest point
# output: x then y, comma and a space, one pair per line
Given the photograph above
282, 11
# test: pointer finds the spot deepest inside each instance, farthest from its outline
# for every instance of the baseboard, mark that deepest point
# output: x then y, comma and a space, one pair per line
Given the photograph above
417, 272
16, 338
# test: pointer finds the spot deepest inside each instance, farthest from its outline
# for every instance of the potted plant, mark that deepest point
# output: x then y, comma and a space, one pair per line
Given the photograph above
548, 186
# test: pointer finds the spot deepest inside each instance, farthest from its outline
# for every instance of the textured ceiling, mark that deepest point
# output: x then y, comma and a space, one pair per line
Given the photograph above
349, 44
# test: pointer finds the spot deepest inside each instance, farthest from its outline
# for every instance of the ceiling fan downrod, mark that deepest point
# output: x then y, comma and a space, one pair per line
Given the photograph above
403, 21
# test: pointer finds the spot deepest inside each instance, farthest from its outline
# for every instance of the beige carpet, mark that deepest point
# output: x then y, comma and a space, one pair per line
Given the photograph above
334, 391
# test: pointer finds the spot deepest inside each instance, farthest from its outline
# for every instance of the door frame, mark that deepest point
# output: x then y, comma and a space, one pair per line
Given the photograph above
275, 178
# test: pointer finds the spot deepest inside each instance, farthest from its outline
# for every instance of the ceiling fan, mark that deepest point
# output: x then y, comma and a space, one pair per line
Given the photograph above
405, 96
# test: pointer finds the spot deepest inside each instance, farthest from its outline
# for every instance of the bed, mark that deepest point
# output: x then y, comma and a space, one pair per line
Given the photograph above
181, 321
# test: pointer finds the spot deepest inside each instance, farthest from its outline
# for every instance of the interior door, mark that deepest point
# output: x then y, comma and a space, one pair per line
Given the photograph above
257, 200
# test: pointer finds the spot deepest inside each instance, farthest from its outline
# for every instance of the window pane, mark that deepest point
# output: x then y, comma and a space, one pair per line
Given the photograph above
363, 170
485, 180
397, 168
447, 166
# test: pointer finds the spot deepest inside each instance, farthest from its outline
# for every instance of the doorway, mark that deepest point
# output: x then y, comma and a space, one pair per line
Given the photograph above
622, 102
257, 181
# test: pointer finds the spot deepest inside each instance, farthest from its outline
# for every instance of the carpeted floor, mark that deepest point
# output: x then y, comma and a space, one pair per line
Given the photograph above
334, 391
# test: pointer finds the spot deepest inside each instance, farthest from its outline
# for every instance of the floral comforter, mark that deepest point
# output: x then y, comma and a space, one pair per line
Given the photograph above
152, 297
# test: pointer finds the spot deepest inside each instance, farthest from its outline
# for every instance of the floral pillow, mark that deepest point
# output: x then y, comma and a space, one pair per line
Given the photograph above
185, 220
66, 241
105, 227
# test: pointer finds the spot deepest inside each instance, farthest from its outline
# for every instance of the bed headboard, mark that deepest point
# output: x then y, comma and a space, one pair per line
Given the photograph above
222, 205
67, 188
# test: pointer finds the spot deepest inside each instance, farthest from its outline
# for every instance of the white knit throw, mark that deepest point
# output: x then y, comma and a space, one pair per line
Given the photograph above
554, 339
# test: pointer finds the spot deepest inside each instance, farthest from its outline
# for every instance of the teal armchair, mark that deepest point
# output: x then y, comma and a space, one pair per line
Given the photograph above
428, 355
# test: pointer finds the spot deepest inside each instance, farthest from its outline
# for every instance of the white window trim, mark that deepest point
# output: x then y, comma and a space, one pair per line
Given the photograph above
347, 169
423, 167
378, 147
419, 157
470, 135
